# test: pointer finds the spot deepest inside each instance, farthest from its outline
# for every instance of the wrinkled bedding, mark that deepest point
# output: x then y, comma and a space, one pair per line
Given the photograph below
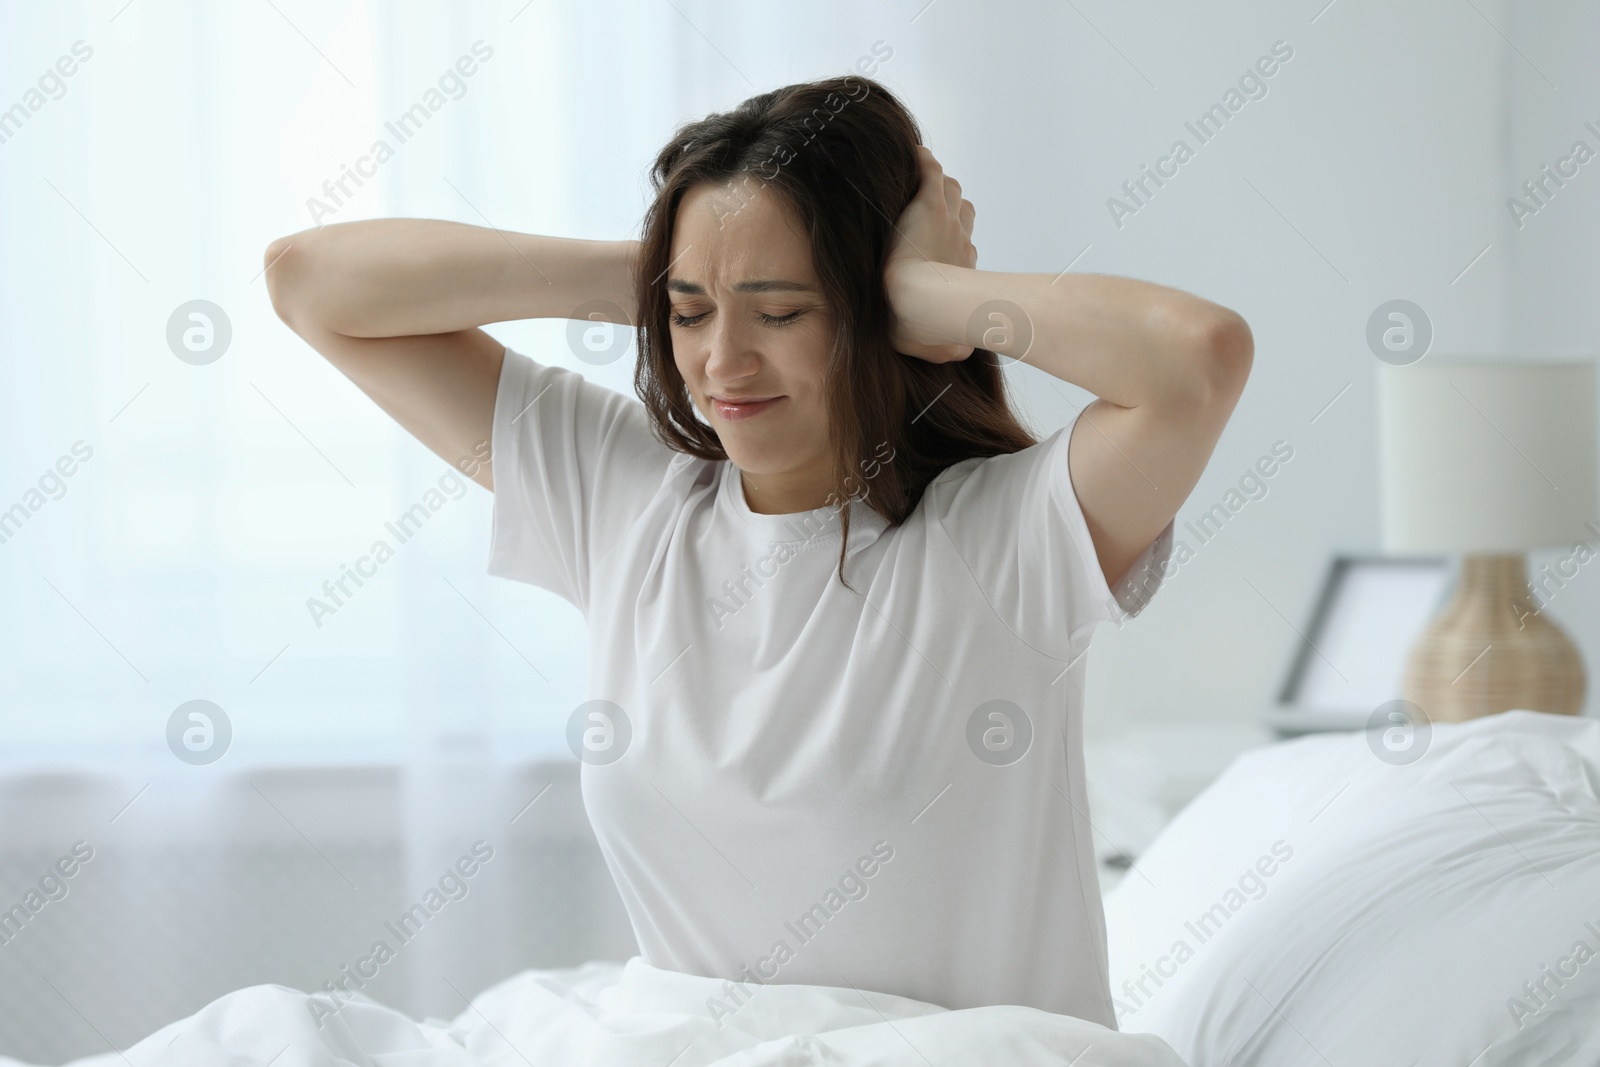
1321, 904
620, 1015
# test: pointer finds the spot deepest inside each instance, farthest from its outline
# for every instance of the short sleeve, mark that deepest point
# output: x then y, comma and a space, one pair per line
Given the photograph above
574, 465
1016, 521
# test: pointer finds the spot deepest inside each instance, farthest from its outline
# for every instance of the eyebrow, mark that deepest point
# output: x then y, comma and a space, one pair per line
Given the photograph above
758, 285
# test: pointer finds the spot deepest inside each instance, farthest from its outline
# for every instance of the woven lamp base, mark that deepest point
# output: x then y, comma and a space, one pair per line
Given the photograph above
1490, 650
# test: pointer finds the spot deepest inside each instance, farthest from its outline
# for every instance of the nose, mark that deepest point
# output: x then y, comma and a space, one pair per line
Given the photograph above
730, 352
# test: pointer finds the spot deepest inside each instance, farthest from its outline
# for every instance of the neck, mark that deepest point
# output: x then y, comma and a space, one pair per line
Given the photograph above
786, 492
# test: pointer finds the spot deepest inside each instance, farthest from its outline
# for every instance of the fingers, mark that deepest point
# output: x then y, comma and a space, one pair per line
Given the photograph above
934, 177
932, 173
935, 182
968, 213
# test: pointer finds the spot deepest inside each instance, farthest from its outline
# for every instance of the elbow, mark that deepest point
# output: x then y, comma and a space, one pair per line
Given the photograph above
279, 266
1224, 352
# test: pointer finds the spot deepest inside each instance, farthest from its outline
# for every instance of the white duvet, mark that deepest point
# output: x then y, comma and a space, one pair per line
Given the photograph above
1319, 904
620, 1015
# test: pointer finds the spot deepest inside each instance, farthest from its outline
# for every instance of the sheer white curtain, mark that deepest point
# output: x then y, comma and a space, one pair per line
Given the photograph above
179, 559
174, 513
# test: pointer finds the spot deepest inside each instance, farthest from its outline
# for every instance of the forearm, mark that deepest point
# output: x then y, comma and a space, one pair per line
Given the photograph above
1129, 342
406, 277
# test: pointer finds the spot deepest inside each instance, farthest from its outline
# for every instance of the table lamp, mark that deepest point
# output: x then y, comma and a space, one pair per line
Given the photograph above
1488, 458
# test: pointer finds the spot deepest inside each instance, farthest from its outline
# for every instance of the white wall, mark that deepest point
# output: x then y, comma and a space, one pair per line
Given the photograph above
1556, 268
1376, 167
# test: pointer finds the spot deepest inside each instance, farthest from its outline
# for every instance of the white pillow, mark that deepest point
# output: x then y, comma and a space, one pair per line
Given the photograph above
1323, 904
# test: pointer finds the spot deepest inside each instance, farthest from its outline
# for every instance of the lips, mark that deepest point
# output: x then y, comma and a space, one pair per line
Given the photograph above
733, 411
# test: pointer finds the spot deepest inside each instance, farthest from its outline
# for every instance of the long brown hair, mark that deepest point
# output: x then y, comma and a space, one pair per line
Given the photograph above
843, 151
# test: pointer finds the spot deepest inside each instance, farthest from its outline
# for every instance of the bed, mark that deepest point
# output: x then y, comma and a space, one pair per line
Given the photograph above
1318, 904
1323, 904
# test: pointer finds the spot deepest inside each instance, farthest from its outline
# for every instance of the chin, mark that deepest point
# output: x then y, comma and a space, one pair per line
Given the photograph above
756, 457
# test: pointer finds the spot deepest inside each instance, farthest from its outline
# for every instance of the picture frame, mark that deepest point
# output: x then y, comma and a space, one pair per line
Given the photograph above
1350, 657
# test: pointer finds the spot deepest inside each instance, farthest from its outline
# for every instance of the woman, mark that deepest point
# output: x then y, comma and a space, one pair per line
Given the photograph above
838, 596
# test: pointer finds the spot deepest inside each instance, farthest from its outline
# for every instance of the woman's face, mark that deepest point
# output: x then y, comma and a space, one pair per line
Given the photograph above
749, 324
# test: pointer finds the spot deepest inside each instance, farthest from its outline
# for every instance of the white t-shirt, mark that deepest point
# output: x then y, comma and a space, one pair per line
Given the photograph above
812, 786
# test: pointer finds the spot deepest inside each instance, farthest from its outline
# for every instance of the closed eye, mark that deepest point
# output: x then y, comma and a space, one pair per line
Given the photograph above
769, 320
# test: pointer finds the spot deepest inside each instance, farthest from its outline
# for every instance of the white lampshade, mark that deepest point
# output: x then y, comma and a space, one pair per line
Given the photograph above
1487, 455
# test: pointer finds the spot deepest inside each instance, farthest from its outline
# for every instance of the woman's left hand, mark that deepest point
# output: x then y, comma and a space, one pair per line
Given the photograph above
935, 227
